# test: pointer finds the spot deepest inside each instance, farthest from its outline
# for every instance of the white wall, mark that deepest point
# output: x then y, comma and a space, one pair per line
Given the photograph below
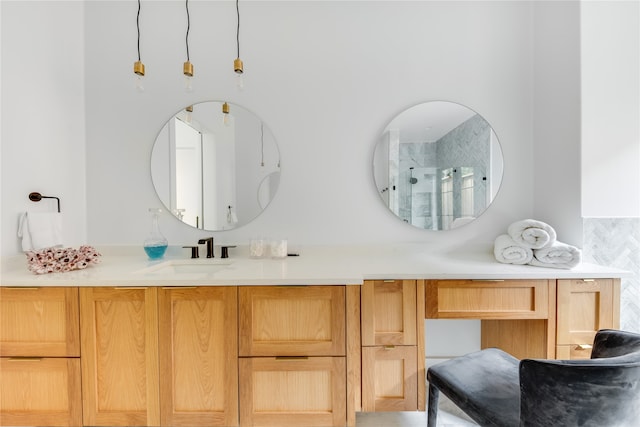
326, 77
610, 109
43, 115
556, 137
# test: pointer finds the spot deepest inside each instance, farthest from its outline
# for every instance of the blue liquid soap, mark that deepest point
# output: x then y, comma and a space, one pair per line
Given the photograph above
155, 244
155, 252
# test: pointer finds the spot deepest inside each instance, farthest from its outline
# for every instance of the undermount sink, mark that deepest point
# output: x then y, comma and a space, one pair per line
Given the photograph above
187, 266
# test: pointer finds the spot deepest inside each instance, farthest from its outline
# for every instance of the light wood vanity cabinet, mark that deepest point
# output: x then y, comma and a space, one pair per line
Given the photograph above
39, 357
392, 357
584, 307
264, 355
292, 356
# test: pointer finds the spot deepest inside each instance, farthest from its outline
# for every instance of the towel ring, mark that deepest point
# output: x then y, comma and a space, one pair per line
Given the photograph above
36, 197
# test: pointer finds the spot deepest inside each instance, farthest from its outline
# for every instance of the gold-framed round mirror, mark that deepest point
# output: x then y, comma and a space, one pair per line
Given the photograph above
438, 165
208, 163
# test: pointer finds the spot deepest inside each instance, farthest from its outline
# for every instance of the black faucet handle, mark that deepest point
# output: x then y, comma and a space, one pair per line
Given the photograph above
194, 251
225, 251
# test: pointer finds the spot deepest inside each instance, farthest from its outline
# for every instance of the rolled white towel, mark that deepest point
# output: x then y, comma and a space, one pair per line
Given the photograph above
532, 233
558, 255
507, 251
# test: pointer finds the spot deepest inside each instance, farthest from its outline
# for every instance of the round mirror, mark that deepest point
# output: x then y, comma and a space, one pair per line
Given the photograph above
209, 164
438, 165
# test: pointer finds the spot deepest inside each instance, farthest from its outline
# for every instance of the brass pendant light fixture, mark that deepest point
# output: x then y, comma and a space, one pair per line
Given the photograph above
187, 67
238, 66
138, 66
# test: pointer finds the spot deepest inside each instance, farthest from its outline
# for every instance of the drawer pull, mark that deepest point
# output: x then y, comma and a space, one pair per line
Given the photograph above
389, 281
131, 288
170, 288
389, 347
292, 357
584, 347
487, 280
25, 359
588, 280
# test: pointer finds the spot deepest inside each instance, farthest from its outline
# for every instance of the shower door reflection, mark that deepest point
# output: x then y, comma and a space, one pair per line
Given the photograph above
418, 197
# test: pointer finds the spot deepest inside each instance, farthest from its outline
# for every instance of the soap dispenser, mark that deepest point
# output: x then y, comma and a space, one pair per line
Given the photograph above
155, 244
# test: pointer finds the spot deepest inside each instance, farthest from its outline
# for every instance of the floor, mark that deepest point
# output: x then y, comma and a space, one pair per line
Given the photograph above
448, 416
408, 419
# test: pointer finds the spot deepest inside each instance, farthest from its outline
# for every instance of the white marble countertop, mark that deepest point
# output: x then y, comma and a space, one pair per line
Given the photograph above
315, 265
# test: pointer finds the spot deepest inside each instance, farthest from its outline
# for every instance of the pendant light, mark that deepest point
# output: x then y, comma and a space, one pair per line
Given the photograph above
238, 66
187, 68
188, 114
138, 66
225, 114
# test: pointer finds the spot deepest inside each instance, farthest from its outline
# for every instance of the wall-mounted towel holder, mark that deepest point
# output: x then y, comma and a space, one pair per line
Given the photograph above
36, 197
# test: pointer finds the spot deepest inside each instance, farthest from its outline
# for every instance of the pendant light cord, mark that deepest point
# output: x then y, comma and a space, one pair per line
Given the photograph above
238, 28
188, 27
138, 28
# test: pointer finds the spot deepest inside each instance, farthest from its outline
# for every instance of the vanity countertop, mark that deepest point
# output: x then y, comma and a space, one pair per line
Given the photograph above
315, 265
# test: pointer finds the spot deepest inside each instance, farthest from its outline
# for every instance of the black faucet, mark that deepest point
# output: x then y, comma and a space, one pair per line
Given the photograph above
209, 242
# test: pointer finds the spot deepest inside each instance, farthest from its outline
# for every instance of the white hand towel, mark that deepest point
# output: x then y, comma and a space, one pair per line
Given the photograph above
558, 255
40, 230
532, 233
507, 251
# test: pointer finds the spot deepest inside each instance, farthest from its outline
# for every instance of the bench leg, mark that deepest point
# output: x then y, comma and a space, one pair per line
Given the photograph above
432, 415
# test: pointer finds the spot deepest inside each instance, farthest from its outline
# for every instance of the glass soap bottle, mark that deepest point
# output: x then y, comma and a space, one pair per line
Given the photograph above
155, 244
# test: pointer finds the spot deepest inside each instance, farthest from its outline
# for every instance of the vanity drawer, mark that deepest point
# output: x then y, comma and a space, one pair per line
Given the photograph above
41, 322
487, 299
388, 312
390, 378
293, 391
40, 392
292, 321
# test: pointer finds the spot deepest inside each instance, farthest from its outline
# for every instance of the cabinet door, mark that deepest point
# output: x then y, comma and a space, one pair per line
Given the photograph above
294, 391
40, 392
388, 312
39, 322
292, 321
389, 378
119, 329
584, 307
198, 356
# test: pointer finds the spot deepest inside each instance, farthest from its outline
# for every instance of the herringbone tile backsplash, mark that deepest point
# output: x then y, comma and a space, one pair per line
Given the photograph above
615, 242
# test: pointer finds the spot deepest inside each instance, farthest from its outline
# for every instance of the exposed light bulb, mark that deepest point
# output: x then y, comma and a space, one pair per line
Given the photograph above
139, 82
238, 68
225, 114
138, 70
187, 70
